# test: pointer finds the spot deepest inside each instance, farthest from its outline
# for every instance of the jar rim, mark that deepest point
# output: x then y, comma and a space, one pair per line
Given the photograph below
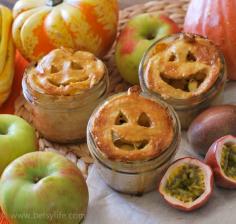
195, 100
129, 166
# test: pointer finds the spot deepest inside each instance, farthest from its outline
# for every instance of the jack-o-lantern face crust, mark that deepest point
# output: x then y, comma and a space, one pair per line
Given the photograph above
131, 127
183, 68
64, 72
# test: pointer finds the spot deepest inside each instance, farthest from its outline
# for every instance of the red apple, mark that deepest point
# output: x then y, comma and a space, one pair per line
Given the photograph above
43, 188
222, 158
137, 36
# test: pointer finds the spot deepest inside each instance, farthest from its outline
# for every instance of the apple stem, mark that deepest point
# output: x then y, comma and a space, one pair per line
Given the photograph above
54, 2
36, 180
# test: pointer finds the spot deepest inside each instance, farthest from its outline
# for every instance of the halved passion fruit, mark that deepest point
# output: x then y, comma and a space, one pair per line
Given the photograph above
222, 158
187, 184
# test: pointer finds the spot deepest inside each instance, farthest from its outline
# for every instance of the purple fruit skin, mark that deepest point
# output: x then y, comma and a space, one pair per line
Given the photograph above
210, 125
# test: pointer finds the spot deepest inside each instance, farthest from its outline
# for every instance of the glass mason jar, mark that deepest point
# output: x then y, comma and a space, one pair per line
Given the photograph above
134, 177
63, 119
187, 109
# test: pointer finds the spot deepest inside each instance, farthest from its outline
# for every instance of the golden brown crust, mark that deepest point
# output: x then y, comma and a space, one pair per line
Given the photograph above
131, 128
64, 72
173, 65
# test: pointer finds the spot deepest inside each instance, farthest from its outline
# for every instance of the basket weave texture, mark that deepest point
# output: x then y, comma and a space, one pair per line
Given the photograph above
78, 153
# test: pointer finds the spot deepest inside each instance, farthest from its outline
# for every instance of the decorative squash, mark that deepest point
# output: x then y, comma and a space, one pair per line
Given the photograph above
215, 19
9, 106
43, 25
7, 54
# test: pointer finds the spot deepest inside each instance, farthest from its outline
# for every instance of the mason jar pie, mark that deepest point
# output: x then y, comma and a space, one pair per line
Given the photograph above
187, 71
133, 137
63, 89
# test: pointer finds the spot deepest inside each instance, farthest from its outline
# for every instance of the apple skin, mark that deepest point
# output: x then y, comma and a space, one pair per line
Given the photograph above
46, 187
17, 137
137, 36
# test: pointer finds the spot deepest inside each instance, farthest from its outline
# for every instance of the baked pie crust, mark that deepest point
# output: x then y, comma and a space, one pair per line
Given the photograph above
65, 72
183, 67
131, 127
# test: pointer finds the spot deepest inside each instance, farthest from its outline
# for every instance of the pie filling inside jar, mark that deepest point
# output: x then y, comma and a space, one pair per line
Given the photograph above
186, 183
228, 160
132, 133
186, 70
63, 88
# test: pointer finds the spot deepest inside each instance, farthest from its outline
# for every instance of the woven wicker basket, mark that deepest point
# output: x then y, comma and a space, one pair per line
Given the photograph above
78, 153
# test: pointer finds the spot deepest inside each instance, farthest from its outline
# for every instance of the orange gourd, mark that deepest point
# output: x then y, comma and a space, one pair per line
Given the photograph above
42, 25
215, 19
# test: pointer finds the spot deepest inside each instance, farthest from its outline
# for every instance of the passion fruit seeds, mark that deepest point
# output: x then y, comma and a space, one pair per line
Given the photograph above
187, 184
228, 160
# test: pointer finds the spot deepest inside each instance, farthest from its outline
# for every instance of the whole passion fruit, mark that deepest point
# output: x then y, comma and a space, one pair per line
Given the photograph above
222, 158
187, 184
211, 125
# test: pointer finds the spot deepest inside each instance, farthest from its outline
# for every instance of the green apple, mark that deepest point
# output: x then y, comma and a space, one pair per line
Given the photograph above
43, 188
17, 138
137, 36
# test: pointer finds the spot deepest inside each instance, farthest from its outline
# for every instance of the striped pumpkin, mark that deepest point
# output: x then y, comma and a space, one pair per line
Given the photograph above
42, 25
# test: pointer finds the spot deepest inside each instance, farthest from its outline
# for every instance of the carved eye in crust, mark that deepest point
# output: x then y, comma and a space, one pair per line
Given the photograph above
54, 69
121, 119
172, 57
76, 66
144, 120
191, 57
